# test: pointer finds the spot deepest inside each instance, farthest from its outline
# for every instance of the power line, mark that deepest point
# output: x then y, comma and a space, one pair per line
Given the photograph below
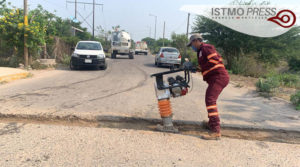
57, 6
84, 19
104, 21
180, 25
86, 3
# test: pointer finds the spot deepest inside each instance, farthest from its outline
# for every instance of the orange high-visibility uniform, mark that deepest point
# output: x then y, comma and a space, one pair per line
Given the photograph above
215, 74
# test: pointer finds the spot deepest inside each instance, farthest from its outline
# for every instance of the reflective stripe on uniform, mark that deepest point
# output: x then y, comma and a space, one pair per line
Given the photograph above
214, 61
213, 114
214, 67
211, 107
211, 55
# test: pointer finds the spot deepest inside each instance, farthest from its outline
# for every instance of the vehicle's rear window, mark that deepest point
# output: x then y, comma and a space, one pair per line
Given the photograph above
88, 46
172, 50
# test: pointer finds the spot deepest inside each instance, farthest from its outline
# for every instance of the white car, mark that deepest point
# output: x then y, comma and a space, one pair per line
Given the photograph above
88, 53
168, 56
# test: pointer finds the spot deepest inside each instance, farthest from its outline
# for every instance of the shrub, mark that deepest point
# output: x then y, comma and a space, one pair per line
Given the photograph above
294, 63
290, 80
38, 66
267, 86
247, 65
66, 59
286, 79
295, 99
4, 62
193, 56
14, 61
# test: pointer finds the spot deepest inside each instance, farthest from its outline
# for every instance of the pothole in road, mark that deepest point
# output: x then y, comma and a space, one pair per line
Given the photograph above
185, 127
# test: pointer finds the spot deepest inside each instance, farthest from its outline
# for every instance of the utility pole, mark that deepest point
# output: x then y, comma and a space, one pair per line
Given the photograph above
154, 25
164, 33
93, 19
187, 36
76, 9
25, 35
93, 12
188, 25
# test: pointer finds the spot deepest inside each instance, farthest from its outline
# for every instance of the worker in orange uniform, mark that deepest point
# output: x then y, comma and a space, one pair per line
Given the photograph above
215, 74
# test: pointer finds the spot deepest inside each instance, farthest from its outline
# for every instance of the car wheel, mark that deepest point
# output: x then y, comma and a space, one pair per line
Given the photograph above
113, 55
104, 67
72, 67
131, 56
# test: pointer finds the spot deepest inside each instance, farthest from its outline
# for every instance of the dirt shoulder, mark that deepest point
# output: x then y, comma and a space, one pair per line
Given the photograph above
239, 81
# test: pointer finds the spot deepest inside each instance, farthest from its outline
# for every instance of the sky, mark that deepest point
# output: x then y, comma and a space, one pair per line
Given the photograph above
133, 15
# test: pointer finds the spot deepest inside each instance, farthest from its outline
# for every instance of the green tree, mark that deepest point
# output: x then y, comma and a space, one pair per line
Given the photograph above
233, 44
179, 41
43, 28
151, 43
12, 31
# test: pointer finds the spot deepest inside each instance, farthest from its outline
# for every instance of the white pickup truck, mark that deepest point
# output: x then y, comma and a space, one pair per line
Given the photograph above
88, 53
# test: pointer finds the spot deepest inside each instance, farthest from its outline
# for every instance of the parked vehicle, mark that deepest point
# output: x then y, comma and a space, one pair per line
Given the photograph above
120, 44
88, 53
168, 56
141, 47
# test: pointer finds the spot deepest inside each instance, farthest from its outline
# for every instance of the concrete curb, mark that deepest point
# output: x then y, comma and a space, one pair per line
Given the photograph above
12, 77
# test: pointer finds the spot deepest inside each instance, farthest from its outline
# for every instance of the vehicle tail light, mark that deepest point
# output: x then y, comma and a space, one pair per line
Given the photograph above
161, 55
179, 57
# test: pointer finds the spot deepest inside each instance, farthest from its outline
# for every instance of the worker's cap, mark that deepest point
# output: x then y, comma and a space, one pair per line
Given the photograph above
194, 37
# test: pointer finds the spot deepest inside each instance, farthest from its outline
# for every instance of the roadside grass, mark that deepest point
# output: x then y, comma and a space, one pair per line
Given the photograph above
271, 84
280, 82
29, 75
290, 80
267, 87
295, 99
273, 81
4, 62
3, 82
36, 65
12, 61
66, 60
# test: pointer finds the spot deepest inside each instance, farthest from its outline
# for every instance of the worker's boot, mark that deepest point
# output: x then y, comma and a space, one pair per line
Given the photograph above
212, 136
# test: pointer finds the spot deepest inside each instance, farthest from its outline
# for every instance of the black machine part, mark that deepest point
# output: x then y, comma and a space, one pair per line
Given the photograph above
178, 81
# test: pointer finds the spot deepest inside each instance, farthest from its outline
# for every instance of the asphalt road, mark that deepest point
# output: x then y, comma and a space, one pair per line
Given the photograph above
125, 89
51, 145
